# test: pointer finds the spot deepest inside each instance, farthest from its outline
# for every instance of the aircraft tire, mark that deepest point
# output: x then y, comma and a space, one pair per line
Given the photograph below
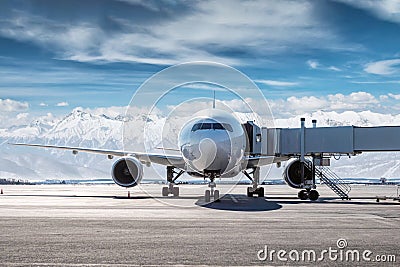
165, 191
175, 191
249, 193
260, 191
313, 195
216, 196
207, 196
303, 195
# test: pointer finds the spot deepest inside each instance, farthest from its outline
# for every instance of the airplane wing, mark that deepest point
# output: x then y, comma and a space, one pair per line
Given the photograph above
168, 160
258, 161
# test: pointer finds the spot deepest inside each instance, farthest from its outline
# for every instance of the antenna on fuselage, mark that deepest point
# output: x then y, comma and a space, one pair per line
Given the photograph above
214, 100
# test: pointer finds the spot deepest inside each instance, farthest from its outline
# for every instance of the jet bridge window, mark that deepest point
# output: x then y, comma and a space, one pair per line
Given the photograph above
214, 126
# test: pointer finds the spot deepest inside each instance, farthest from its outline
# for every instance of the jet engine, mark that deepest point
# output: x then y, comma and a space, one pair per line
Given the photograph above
127, 172
292, 174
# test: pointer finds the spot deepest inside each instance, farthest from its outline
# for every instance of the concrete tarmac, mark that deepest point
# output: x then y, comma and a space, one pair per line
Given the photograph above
84, 225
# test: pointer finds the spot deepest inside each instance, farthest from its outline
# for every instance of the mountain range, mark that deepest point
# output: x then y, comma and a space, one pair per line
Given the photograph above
83, 128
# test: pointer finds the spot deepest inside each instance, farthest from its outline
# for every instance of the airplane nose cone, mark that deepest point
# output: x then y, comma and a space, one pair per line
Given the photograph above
207, 153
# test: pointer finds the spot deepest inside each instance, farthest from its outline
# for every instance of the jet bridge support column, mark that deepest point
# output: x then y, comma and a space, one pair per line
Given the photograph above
308, 185
302, 138
314, 125
302, 149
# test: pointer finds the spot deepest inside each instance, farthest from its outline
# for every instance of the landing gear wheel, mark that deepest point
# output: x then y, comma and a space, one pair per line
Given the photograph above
216, 196
313, 195
207, 196
165, 191
254, 177
175, 191
260, 191
303, 195
172, 176
249, 192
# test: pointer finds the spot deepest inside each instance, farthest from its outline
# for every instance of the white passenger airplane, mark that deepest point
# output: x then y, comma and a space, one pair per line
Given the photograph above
211, 145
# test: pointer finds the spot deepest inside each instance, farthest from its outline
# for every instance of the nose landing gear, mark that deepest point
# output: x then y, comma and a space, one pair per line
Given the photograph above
212, 192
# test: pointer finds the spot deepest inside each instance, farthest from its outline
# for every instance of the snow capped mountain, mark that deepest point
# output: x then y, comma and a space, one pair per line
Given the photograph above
86, 129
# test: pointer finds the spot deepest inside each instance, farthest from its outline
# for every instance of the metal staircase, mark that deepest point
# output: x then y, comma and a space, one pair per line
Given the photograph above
333, 181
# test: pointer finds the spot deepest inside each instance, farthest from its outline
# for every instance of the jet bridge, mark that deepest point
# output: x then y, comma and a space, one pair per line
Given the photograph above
327, 141
313, 148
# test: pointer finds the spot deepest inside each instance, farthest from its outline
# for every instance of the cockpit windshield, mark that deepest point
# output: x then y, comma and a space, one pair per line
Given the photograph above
213, 126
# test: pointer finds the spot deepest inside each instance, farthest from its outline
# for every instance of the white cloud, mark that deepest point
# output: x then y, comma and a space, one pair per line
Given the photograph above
276, 83
375, 82
362, 97
306, 103
291, 106
397, 97
334, 68
261, 26
43, 104
204, 86
334, 102
62, 104
8, 105
384, 9
19, 119
23, 119
383, 97
383, 67
353, 101
21, 116
312, 64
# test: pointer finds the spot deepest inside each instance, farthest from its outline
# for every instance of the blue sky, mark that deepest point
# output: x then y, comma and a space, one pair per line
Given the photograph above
332, 55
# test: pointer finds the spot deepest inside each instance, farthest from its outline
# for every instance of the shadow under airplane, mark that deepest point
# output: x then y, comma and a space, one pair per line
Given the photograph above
234, 202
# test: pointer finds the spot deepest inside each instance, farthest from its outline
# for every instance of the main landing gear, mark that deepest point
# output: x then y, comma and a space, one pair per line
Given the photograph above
211, 192
313, 195
254, 190
172, 175
307, 185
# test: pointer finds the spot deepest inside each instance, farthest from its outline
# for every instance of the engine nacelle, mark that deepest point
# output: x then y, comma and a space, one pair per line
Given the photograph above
127, 172
292, 174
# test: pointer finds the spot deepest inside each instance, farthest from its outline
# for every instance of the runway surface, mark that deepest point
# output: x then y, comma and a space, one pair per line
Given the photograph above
79, 225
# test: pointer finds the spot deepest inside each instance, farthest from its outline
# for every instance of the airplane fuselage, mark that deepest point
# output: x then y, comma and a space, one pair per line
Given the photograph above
213, 143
